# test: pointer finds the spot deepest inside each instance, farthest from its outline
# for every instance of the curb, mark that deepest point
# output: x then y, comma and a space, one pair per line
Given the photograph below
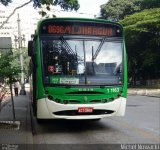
145, 92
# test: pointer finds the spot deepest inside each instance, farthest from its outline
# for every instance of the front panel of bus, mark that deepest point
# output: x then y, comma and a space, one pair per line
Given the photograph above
82, 70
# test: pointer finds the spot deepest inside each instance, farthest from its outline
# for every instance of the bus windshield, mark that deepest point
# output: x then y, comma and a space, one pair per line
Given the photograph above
81, 60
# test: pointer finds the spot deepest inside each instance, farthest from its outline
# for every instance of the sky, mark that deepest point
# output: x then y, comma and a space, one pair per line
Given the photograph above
29, 16
88, 8
91, 6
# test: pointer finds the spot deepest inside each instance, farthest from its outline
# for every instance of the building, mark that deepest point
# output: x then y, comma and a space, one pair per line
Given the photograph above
5, 45
9, 27
28, 19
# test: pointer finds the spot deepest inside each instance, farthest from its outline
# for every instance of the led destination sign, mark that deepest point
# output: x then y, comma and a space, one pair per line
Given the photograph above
80, 28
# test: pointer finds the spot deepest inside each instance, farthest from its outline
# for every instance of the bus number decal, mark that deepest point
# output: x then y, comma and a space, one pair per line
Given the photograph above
113, 90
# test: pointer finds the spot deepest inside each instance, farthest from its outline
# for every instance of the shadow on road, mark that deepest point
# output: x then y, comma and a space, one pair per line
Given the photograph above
61, 126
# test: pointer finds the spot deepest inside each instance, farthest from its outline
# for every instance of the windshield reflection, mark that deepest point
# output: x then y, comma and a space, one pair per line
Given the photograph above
79, 61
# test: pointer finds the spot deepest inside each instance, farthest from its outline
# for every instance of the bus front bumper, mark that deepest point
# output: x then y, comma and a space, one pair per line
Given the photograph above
47, 109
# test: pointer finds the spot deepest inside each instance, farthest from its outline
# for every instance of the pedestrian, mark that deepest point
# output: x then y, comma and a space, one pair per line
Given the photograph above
16, 86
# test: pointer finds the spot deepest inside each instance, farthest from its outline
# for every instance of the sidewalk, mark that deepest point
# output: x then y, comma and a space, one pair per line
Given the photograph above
144, 92
23, 135
22, 111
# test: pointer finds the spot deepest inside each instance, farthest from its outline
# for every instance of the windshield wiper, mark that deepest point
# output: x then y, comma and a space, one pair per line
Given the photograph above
68, 48
98, 49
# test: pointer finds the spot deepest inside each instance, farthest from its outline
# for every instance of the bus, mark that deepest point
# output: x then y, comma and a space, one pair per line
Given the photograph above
78, 69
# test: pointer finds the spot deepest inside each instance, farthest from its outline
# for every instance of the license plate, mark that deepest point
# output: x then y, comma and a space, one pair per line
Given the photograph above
85, 110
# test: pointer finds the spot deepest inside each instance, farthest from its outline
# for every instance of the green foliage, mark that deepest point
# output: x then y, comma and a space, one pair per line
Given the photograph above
147, 4
42, 13
64, 4
5, 2
118, 9
8, 71
143, 41
67, 4
142, 29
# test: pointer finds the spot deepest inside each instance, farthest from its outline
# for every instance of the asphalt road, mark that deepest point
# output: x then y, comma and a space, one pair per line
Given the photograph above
141, 124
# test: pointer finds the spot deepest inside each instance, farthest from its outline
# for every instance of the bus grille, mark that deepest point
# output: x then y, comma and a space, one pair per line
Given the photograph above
75, 112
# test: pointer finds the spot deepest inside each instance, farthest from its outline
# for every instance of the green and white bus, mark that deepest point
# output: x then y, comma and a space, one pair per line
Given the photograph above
78, 69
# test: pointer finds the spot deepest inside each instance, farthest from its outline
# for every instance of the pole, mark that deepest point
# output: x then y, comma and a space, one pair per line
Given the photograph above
13, 109
22, 91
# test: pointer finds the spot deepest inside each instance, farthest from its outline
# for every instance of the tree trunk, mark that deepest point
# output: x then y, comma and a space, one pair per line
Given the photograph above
13, 109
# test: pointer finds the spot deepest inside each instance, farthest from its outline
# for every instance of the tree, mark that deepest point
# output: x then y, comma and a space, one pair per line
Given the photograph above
143, 41
8, 73
5, 2
140, 19
118, 9
147, 4
64, 4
